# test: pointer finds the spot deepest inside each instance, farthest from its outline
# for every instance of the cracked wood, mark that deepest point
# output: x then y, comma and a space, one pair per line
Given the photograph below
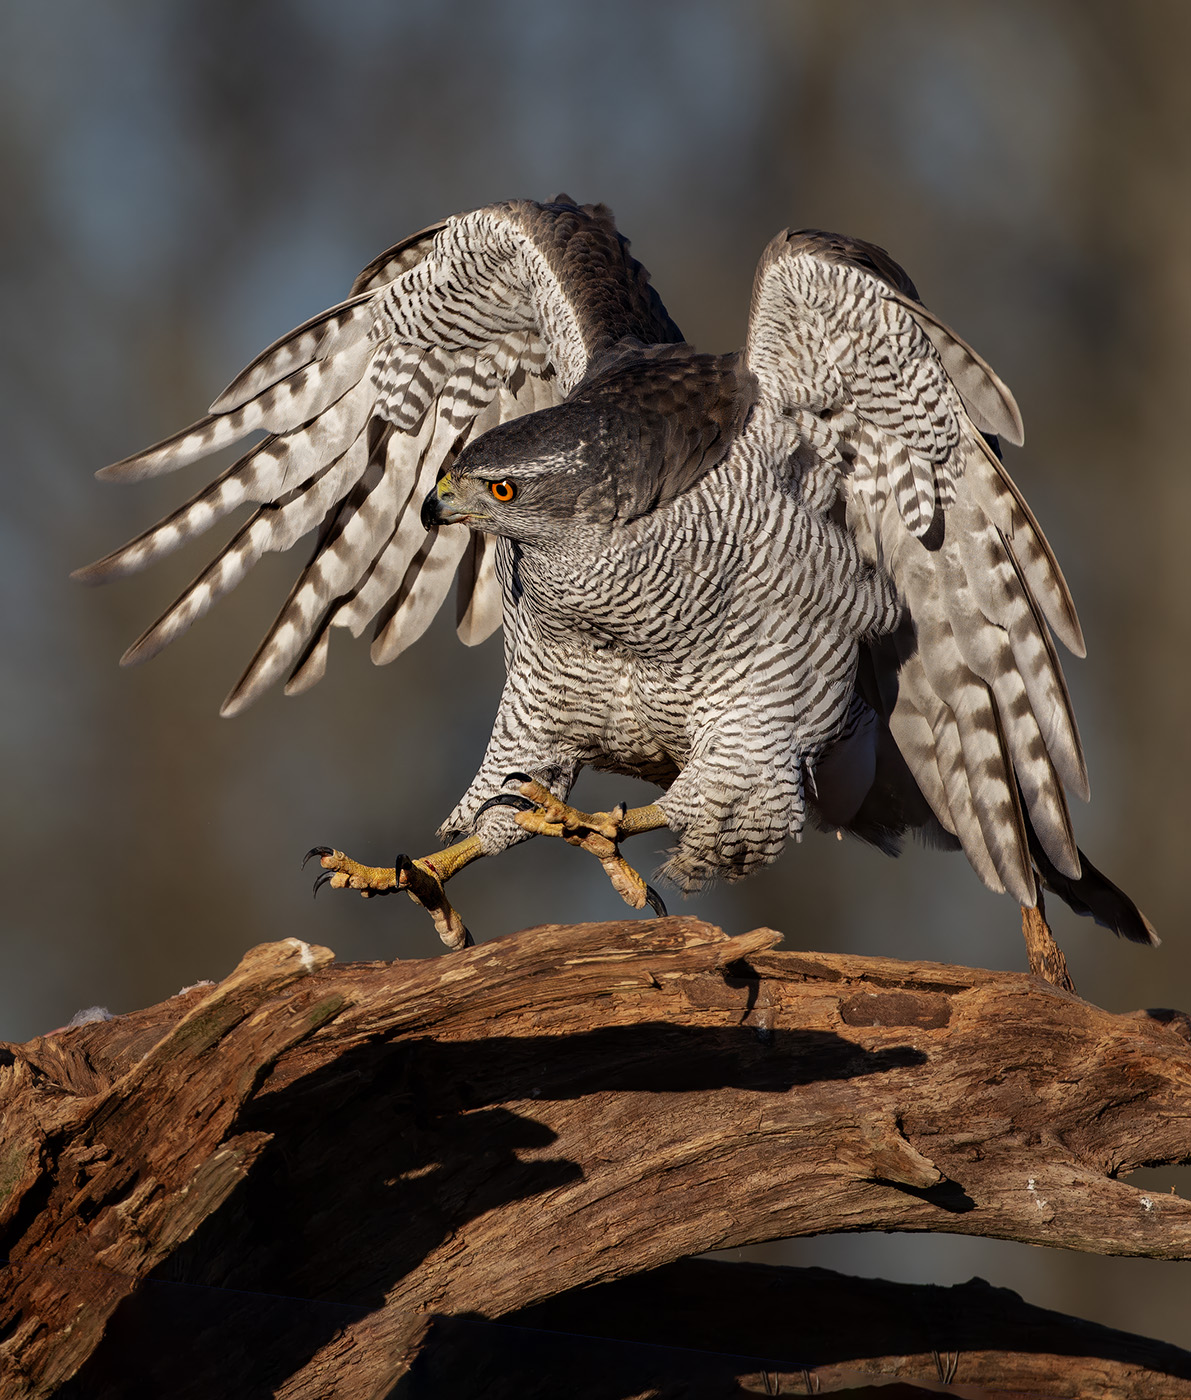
475, 1133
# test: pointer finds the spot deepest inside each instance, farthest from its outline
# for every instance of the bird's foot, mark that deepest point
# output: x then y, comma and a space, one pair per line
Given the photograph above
343, 873
543, 814
422, 880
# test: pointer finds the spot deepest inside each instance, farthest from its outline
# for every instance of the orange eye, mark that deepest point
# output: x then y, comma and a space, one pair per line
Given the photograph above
502, 491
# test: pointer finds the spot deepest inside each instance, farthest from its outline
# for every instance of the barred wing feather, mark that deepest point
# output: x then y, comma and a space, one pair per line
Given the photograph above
460, 327
896, 407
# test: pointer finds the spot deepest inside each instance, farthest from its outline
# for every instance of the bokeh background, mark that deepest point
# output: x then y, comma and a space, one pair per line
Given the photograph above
182, 182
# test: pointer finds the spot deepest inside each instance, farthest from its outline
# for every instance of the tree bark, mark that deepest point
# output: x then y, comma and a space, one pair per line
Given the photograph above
473, 1134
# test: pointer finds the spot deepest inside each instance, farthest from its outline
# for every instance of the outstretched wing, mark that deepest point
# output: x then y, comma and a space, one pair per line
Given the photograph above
470, 323
896, 408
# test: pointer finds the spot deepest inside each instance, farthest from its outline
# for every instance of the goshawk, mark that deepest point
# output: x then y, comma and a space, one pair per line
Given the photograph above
790, 584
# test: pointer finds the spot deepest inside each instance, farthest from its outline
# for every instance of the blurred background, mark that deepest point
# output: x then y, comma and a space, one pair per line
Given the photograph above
184, 182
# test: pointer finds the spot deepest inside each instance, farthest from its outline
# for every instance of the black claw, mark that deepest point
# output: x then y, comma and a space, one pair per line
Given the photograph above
509, 799
620, 811
401, 863
319, 851
654, 900
323, 879
519, 777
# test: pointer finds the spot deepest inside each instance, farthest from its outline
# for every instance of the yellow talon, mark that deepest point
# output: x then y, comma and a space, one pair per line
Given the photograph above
422, 880
597, 832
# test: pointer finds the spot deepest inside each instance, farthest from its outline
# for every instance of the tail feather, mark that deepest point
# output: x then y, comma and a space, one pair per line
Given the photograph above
1094, 896
906, 797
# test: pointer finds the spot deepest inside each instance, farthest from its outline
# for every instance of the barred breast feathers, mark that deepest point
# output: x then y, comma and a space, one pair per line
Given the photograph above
470, 323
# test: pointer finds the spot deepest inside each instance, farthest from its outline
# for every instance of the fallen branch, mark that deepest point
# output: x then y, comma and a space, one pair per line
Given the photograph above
482, 1131
784, 1331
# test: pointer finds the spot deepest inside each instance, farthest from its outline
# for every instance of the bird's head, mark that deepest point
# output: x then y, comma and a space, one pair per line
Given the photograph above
640, 431
534, 480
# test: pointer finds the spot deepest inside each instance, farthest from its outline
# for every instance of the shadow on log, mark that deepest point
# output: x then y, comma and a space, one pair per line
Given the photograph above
373, 1153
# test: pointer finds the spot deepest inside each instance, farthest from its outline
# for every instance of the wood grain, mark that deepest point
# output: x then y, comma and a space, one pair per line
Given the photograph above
473, 1134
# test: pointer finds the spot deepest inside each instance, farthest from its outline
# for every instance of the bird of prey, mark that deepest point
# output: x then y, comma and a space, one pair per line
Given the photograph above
787, 585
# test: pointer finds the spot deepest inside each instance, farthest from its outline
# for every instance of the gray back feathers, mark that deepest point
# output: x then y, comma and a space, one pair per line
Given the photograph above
647, 424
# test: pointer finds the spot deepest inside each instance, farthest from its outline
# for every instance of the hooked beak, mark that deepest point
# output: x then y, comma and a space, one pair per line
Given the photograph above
439, 507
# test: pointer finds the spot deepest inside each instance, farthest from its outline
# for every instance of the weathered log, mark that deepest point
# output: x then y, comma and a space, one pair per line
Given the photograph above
696, 1328
785, 1331
476, 1133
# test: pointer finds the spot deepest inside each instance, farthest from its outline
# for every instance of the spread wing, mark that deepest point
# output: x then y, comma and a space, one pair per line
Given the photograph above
896, 408
467, 324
